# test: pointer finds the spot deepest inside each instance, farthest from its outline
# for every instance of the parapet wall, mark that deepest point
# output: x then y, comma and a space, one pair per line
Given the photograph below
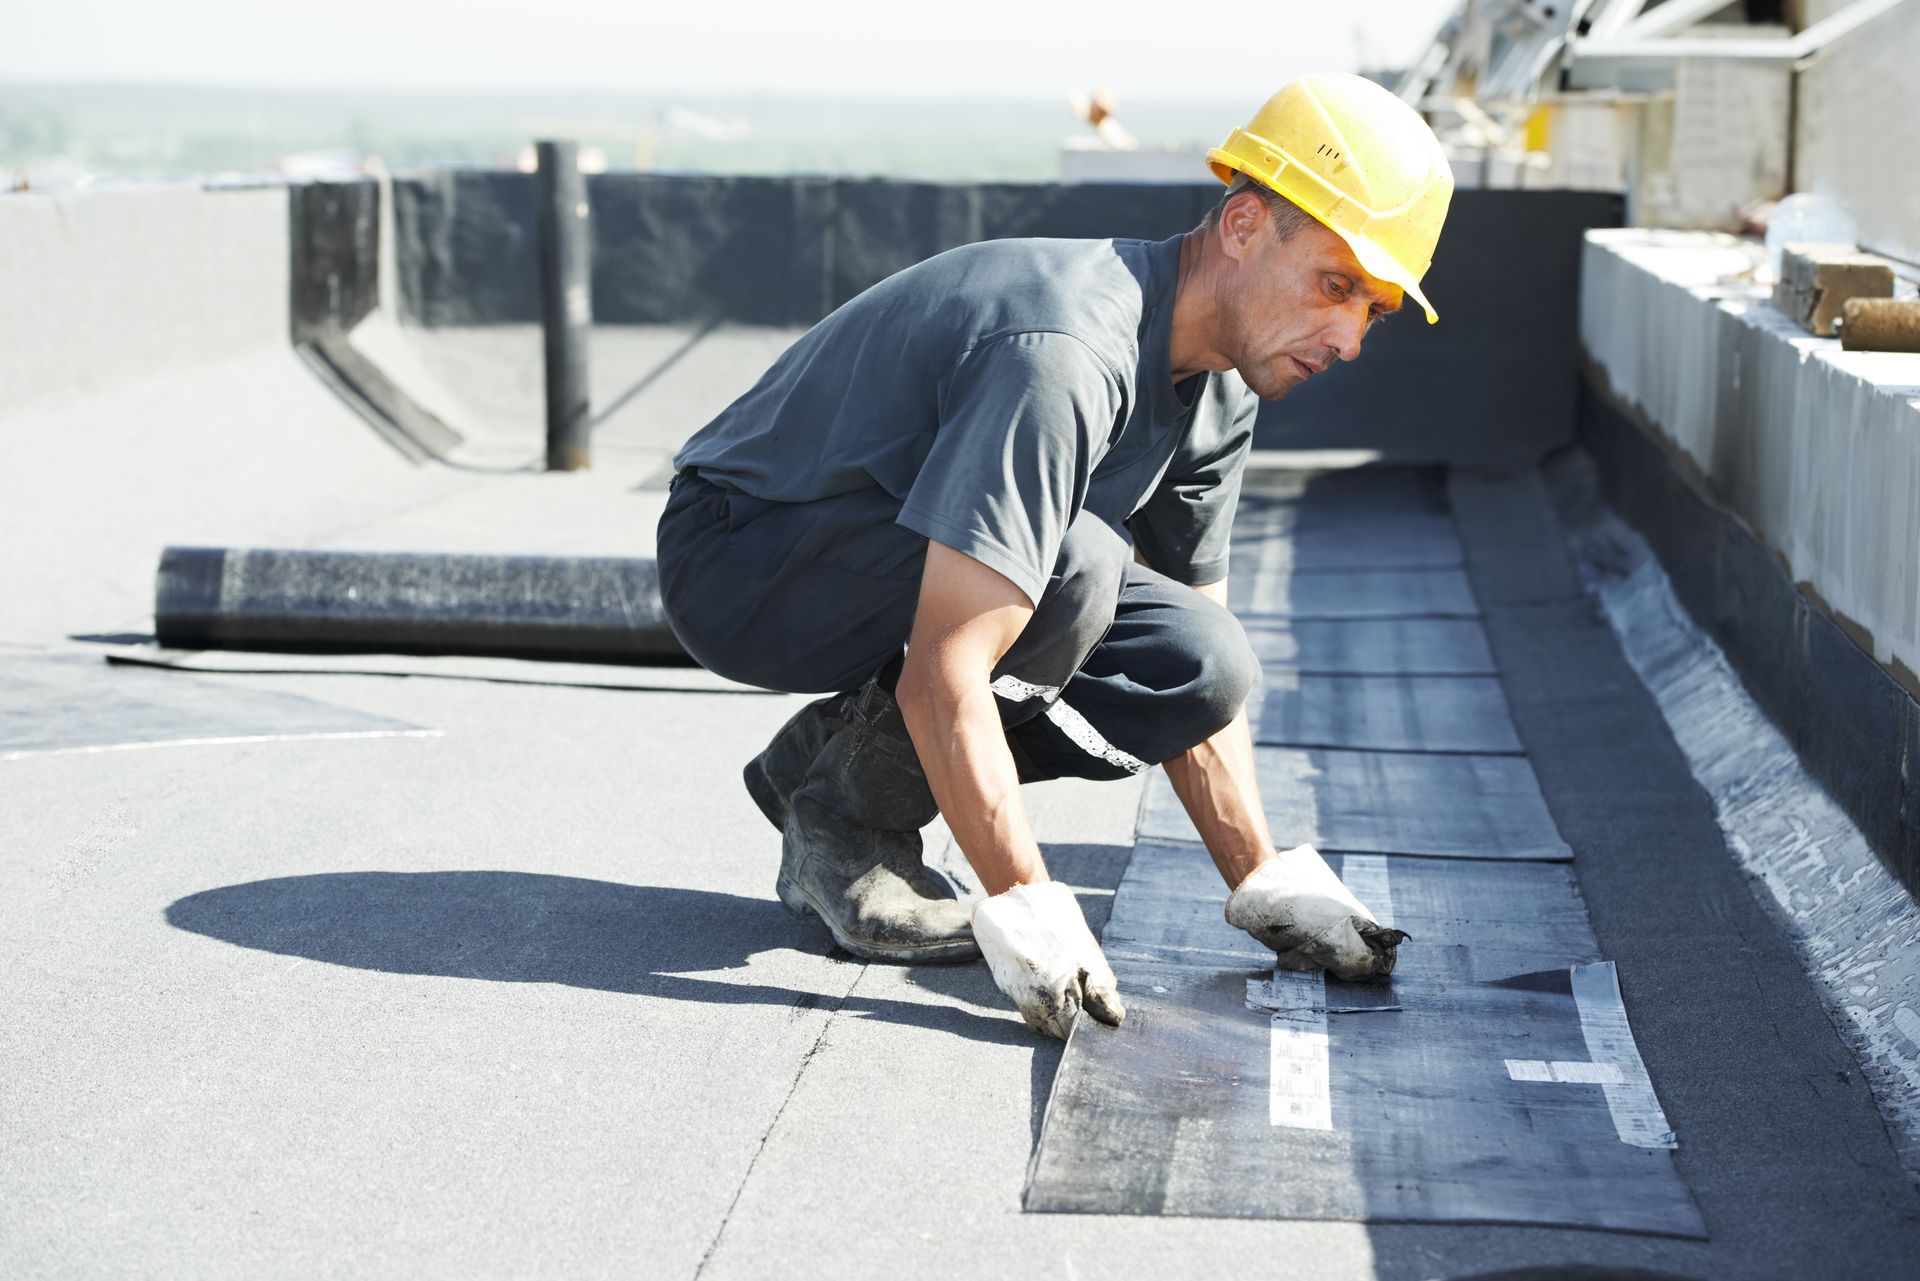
672, 249
106, 286
1779, 479
1496, 379
1816, 448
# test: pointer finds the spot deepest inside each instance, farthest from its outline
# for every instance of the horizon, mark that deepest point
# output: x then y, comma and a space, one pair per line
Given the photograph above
842, 49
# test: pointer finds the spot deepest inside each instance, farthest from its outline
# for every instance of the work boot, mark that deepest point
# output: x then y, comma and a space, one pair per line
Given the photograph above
777, 772
852, 848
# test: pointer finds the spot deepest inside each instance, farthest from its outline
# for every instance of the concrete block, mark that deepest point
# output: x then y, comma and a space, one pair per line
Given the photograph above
1817, 280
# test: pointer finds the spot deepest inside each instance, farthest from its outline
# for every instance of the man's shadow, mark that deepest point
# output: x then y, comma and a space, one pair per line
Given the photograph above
527, 927
641, 940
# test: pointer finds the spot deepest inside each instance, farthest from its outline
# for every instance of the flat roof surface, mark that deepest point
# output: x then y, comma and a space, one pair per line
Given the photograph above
516, 998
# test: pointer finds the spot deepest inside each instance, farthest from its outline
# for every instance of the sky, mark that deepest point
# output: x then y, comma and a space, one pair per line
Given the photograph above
852, 48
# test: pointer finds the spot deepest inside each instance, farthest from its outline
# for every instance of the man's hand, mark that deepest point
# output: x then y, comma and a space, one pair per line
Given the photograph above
1045, 958
1296, 905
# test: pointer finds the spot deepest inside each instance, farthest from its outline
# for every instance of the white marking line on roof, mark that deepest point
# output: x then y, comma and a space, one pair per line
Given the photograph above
1300, 1056
1564, 1071
215, 742
1299, 1060
1637, 1117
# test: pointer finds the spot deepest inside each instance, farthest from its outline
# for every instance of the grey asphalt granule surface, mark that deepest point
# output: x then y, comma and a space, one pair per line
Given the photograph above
518, 999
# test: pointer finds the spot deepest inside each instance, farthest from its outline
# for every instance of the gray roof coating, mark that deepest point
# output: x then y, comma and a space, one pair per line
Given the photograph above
518, 999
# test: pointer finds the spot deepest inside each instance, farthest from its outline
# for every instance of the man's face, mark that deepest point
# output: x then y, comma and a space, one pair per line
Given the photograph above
1293, 307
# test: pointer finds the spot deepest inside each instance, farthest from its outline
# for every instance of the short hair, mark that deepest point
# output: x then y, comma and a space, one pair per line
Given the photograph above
1288, 219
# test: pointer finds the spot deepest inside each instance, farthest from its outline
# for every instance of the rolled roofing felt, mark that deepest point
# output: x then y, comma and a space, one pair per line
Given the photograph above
605, 608
1880, 324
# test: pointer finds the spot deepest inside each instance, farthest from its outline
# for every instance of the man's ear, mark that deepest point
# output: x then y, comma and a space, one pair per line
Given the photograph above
1242, 218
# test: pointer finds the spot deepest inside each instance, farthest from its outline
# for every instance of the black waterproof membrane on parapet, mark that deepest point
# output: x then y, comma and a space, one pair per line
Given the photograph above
1491, 1083
76, 703
600, 607
1434, 804
1384, 713
1368, 646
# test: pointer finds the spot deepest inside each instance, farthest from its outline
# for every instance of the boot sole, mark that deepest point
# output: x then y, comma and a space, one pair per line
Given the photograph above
799, 904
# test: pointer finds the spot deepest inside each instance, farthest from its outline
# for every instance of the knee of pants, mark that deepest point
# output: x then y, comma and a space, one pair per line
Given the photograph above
1087, 577
1225, 666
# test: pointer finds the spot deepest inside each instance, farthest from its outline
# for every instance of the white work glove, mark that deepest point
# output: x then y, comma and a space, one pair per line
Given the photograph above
1045, 958
1296, 905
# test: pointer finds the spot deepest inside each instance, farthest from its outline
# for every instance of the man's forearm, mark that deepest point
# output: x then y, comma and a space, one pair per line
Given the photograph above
963, 751
1216, 783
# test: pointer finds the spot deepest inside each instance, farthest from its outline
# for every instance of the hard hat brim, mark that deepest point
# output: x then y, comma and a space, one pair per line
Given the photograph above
1382, 265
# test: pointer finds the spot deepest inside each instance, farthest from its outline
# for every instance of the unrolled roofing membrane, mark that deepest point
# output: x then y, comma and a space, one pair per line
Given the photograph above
1493, 1078
77, 703
1384, 713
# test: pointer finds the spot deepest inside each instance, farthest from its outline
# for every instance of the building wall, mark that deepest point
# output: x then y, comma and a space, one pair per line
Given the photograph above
1857, 130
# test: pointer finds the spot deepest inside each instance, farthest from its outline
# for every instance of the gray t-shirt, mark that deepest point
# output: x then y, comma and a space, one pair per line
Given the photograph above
997, 390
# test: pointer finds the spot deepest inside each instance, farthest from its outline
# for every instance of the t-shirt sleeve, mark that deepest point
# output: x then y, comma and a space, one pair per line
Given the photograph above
1184, 528
1023, 420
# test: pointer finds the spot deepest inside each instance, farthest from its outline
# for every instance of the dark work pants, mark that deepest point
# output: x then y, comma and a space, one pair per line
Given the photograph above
1119, 667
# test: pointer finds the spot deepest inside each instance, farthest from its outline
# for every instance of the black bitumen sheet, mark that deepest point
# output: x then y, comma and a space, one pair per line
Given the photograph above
1384, 713
333, 234
1367, 518
1372, 646
1388, 593
1781, 1142
775, 250
75, 702
1432, 804
1855, 728
1407, 544
651, 678
1524, 915
601, 607
1425, 1122
1473, 1087
1496, 381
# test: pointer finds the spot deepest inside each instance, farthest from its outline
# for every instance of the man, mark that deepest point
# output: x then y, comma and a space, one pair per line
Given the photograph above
985, 507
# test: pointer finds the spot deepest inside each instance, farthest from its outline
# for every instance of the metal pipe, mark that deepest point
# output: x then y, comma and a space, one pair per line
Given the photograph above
1590, 54
1674, 15
566, 302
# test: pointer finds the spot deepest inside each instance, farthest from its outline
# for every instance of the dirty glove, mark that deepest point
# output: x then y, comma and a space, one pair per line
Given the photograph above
1045, 958
1296, 905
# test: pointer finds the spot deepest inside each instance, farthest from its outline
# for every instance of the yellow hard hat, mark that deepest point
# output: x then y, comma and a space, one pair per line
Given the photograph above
1358, 159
